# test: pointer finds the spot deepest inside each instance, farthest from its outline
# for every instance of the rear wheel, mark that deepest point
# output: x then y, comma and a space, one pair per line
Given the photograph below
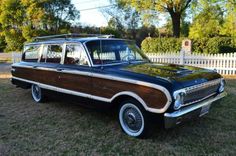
133, 118
37, 93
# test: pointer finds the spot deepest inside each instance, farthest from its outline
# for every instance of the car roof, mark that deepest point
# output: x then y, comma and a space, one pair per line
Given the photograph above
68, 40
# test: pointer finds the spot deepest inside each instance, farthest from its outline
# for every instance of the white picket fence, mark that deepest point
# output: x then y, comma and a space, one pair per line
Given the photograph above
13, 56
224, 64
16, 57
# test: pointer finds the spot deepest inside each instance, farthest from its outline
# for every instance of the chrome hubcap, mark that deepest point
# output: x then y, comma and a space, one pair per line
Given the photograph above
36, 92
131, 119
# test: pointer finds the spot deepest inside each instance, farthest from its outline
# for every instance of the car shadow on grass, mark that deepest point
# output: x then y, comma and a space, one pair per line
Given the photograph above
101, 112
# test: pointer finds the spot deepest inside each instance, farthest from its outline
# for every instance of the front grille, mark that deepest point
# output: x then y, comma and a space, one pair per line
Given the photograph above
200, 92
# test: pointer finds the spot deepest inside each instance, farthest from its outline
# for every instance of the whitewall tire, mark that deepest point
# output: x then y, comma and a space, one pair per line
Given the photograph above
37, 93
132, 118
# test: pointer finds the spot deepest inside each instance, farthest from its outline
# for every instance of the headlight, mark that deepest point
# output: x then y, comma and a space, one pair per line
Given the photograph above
179, 99
222, 86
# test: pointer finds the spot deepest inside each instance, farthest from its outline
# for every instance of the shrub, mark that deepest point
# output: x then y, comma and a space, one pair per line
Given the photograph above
204, 45
154, 45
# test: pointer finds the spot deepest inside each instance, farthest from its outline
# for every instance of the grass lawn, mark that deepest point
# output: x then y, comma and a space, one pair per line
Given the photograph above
64, 128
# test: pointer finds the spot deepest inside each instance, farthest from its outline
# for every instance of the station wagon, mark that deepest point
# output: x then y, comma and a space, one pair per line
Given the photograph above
117, 73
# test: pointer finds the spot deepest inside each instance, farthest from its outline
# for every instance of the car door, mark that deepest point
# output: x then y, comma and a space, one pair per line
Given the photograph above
29, 62
50, 59
74, 74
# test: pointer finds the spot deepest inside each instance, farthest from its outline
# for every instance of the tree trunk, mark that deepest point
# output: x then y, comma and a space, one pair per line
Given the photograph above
175, 17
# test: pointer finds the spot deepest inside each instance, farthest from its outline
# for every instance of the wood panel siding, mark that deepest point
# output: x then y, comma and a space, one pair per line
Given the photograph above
108, 88
75, 82
100, 87
37, 75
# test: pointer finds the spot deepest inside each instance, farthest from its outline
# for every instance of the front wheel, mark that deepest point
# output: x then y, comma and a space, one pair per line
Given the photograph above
133, 118
37, 93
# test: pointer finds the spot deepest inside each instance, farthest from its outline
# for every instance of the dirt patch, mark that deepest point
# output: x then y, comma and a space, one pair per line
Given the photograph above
5, 75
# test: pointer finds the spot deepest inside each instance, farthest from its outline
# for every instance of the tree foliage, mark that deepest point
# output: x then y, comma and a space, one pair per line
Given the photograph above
127, 22
214, 18
207, 23
205, 45
229, 26
175, 8
21, 20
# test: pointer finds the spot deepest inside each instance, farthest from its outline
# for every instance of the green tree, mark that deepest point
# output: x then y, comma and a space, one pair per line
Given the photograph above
208, 22
11, 19
110, 31
124, 19
174, 8
167, 29
115, 23
229, 26
144, 32
2, 40
21, 20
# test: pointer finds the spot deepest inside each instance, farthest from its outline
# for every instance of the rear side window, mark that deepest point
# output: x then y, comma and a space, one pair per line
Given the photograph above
31, 53
75, 55
52, 54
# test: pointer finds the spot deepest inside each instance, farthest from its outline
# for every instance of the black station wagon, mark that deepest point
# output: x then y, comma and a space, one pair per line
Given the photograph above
116, 72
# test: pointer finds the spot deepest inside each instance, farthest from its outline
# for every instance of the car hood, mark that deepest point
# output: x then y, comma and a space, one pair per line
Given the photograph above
185, 75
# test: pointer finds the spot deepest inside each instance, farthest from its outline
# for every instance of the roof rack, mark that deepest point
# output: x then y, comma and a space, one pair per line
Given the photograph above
71, 35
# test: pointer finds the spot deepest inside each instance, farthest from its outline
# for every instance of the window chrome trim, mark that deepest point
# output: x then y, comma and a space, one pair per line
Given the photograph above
84, 50
119, 63
147, 84
110, 64
87, 52
63, 53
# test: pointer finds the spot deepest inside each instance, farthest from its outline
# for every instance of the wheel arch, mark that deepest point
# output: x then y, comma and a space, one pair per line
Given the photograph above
121, 96
117, 98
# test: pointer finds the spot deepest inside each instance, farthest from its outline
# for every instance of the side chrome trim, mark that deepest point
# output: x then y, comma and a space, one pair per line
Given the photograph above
62, 90
147, 84
135, 96
48, 69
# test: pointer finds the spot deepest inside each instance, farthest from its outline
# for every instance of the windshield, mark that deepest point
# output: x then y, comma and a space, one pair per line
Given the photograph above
114, 51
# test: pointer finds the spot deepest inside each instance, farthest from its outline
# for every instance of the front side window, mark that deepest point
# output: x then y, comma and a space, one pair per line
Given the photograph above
31, 53
114, 51
52, 54
75, 55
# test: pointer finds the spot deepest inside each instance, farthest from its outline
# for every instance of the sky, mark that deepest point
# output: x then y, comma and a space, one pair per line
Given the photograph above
91, 17
94, 17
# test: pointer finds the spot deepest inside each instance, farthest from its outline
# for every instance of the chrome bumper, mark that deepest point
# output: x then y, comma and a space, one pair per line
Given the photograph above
189, 112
